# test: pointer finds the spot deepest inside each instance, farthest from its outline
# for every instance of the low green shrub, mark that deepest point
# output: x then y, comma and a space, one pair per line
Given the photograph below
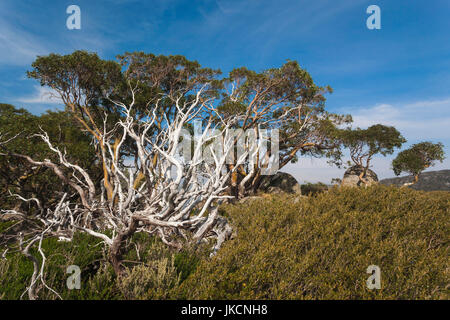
153, 269
320, 248
311, 189
84, 251
285, 247
153, 280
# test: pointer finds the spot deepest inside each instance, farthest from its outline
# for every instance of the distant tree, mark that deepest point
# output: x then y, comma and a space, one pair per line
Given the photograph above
417, 158
366, 143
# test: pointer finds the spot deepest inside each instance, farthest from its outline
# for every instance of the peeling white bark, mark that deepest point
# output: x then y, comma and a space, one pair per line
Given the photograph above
154, 195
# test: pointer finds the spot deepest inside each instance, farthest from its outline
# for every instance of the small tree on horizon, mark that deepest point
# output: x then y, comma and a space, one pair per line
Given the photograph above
363, 144
417, 158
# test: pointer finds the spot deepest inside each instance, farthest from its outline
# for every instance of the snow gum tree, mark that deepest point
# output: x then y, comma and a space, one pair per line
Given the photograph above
417, 158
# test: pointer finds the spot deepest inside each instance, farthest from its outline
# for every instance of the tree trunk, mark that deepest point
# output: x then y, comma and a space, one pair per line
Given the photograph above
416, 179
117, 248
362, 178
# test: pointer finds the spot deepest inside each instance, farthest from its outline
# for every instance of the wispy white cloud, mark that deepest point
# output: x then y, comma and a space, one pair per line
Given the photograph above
42, 95
18, 47
422, 120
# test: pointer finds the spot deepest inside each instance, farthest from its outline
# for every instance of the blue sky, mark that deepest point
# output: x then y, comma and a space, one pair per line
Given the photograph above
398, 75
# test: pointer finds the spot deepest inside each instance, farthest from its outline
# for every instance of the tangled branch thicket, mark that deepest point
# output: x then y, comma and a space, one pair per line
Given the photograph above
158, 194
153, 171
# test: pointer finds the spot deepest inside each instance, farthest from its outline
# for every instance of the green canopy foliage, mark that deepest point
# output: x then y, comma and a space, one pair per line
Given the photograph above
285, 98
17, 175
363, 144
418, 157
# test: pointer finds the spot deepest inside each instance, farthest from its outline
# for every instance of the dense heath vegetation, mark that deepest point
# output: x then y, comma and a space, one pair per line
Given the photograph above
284, 247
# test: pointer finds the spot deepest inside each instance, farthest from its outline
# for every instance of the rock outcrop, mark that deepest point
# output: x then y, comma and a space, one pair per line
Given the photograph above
351, 177
279, 182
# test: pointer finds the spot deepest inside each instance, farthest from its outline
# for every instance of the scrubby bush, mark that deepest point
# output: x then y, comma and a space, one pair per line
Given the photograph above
84, 251
311, 189
285, 247
320, 248
153, 280
153, 269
